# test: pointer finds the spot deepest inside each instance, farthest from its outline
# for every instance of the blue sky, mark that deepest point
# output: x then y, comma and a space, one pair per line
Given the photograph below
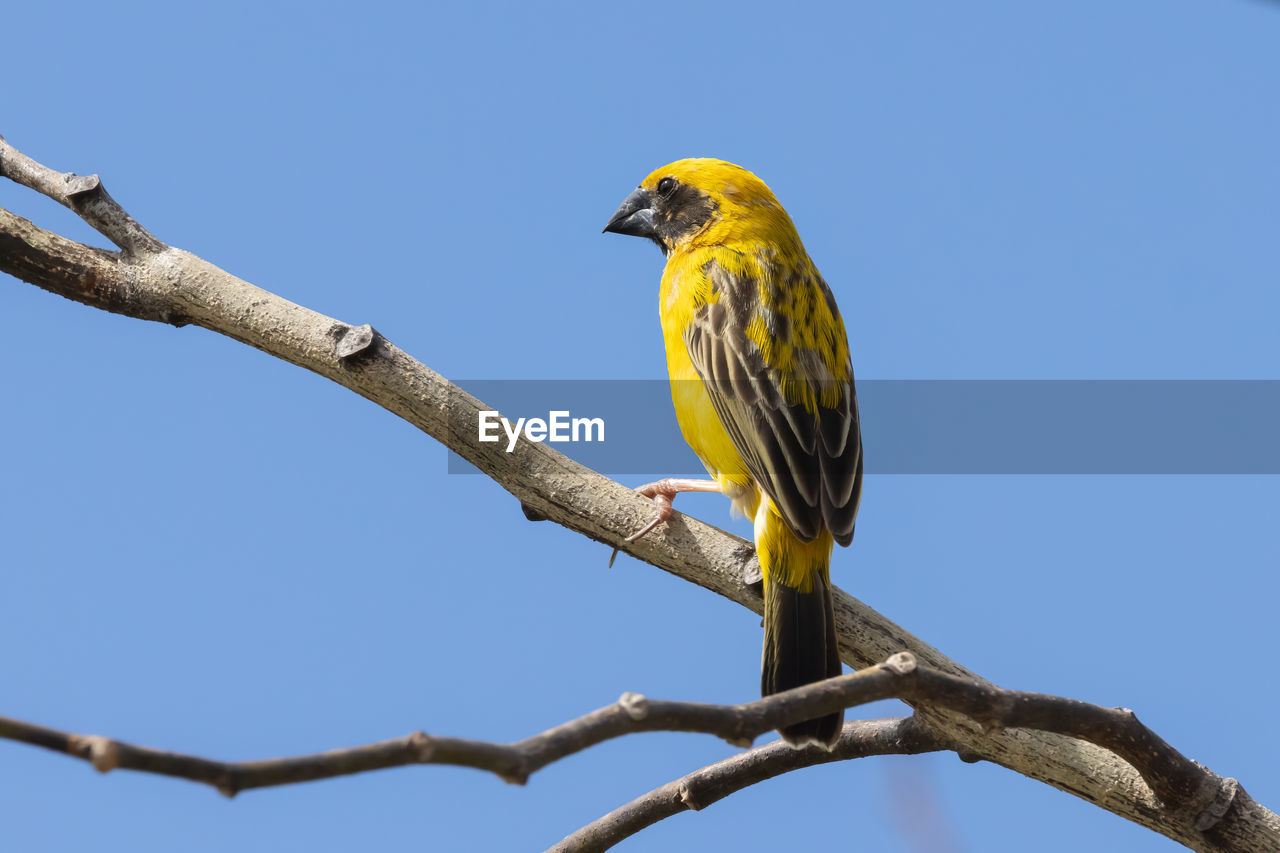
211, 551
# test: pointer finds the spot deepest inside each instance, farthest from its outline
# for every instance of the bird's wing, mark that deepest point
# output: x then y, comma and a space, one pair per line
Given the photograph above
795, 423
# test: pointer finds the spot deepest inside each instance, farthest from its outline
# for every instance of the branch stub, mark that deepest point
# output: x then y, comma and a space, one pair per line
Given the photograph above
902, 663
422, 745
354, 340
104, 754
634, 705
81, 184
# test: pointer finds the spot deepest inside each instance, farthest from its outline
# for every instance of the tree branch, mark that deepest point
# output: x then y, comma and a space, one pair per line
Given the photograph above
83, 194
701, 788
1183, 786
515, 762
152, 281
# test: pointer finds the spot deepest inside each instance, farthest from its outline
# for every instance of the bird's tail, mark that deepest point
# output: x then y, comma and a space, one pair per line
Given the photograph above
799, 622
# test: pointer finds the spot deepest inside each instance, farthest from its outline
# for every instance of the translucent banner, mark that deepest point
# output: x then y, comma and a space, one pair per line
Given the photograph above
924, 426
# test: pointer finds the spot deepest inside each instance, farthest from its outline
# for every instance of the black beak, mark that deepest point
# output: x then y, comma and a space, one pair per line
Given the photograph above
634, 216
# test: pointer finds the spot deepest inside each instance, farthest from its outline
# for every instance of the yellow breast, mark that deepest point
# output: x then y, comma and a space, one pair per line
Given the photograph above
684, 288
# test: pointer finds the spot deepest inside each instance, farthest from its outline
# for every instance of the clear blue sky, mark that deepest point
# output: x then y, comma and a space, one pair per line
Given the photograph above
208, 550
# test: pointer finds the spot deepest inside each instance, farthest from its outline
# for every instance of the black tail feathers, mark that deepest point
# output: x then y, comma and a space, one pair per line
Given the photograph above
800, 648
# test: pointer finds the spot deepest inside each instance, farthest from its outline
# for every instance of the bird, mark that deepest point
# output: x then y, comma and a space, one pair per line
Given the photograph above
762, 383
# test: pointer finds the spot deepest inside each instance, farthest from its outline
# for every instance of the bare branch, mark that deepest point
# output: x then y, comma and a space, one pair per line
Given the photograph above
701, 788
632, 713
83, 194
96, 277
1181, 784
173, 286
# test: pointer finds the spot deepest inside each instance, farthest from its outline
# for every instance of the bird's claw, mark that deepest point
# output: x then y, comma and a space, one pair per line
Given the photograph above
663, 493
663, 512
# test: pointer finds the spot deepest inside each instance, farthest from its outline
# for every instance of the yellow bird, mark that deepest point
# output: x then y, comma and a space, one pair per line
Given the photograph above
763, 390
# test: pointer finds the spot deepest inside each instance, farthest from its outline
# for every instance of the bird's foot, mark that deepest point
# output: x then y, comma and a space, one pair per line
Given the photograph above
663, 492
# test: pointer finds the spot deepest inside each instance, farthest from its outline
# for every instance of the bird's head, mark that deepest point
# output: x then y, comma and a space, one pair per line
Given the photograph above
702, 202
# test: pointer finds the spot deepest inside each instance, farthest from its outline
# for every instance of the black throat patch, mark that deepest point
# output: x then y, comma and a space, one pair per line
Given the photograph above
681, 214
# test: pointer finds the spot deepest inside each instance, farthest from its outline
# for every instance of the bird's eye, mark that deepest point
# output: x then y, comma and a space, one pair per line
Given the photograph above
666, 186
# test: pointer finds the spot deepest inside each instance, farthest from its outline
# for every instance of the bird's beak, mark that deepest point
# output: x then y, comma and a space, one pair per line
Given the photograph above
634, 216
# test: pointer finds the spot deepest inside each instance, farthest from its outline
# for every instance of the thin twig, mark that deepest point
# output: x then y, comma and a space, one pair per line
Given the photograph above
515, 762
701, 788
